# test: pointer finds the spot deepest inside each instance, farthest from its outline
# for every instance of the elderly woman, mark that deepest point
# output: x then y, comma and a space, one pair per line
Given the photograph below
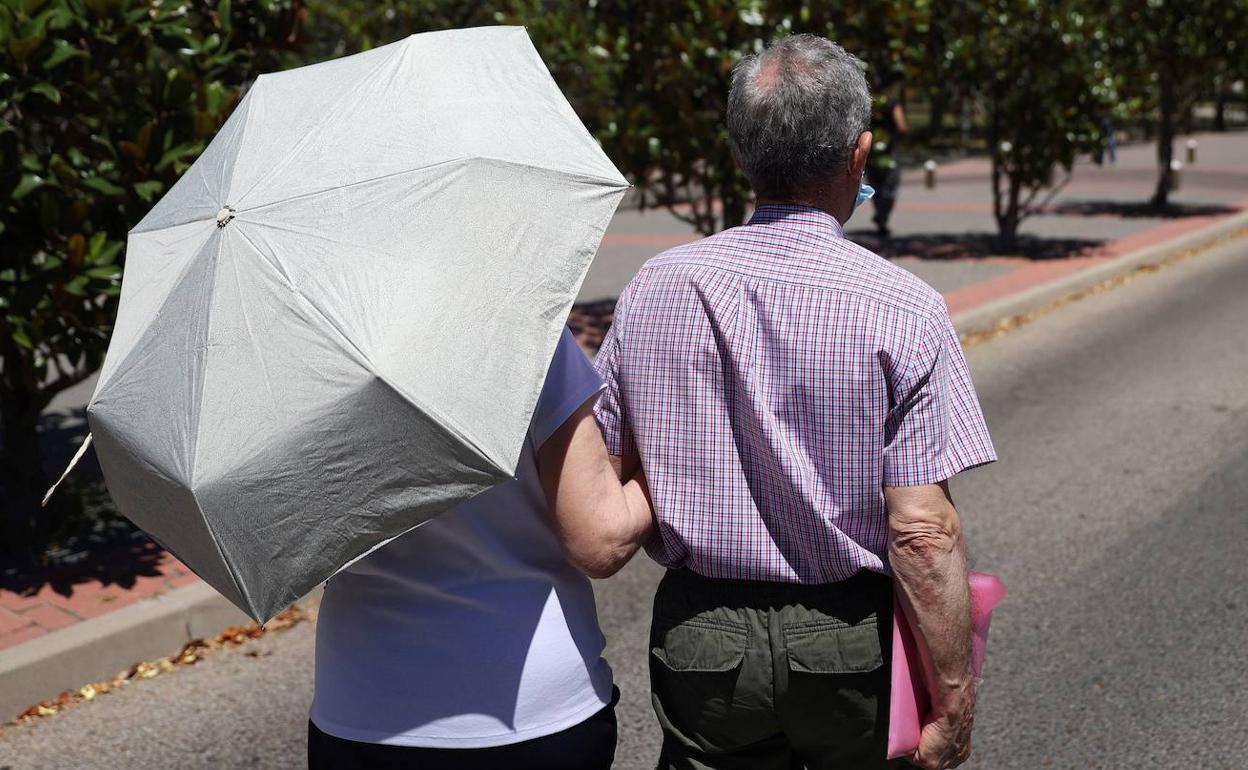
473, 641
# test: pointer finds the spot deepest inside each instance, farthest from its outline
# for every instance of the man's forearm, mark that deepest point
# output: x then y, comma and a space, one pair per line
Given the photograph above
931, 581
928, 558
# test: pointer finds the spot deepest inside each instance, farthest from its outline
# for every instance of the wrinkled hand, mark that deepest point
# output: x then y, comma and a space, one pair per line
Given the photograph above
946, 742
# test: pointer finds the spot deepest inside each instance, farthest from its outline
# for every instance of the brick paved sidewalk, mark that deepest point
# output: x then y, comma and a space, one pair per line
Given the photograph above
33, 605
942, 235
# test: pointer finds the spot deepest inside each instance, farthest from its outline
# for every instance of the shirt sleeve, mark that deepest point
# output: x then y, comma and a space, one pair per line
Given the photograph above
570, 382
936, 428
610, 409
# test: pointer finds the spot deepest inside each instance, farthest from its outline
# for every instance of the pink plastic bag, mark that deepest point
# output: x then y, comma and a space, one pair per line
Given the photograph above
911, 702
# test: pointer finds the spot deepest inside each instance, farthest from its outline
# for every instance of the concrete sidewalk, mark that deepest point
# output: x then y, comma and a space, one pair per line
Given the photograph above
61, 634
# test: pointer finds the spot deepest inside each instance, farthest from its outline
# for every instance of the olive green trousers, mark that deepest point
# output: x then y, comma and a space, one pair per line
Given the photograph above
772, 675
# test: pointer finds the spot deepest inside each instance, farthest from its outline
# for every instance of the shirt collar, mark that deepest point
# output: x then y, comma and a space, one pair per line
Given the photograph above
798, 215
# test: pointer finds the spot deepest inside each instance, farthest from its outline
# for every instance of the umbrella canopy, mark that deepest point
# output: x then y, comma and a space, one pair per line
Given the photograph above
337, 323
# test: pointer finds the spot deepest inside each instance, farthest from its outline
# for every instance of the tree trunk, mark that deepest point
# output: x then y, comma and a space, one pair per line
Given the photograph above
938, 105
1165, 140
1009, 217
22, 480
1004, 202
1219, 106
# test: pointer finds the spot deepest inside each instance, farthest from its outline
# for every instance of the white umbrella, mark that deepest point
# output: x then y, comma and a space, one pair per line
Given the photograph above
337, 323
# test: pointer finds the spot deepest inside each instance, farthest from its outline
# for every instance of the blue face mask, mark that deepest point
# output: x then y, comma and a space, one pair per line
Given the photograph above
865, 191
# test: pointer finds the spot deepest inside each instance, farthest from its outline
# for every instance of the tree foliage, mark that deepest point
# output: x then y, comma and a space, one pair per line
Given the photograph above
1170, 53
661, 74
1037, 70
103, 103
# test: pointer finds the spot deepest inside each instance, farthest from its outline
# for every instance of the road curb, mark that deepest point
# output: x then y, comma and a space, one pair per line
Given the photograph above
989, 315
96, 649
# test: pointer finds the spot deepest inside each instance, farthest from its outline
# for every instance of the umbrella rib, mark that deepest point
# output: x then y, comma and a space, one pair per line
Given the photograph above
576, 176
214, 204
363, 358
332, 112
370, 180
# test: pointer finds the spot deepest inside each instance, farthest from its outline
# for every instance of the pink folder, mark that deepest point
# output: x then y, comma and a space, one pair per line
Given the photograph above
911, 702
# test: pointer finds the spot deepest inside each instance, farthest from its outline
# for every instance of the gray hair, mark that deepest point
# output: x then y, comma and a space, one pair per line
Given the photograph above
795, 112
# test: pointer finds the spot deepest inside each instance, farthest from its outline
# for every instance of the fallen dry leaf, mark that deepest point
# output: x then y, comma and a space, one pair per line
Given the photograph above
191, 653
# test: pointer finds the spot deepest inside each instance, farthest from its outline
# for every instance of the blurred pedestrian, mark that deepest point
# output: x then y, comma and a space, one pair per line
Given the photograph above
888, 125
798, 404
1111, 139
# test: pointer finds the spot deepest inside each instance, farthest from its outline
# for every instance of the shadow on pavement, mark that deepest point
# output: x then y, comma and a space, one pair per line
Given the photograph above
86, 539
1137, 210
954, 246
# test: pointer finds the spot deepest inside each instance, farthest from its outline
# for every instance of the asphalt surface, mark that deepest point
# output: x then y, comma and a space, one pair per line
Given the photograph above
1118, 518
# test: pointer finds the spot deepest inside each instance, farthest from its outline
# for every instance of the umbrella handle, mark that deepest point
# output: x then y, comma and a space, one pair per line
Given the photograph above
77, 456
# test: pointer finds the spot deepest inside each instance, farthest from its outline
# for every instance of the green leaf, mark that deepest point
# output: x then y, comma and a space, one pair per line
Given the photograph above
78, 286
214, 96
96, 245
105, 271
48, 91
103, 186
148, 190
19, 336
223, 16
21, 47
108, 253
62, 52
28, 184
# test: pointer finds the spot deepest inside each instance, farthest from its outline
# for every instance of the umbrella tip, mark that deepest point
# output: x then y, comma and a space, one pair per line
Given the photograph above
72, 463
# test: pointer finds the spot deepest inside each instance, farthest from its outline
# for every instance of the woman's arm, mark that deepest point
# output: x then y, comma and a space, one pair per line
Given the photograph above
600, 523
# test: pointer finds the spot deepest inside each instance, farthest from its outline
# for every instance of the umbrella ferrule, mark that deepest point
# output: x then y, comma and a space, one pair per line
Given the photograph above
224, 216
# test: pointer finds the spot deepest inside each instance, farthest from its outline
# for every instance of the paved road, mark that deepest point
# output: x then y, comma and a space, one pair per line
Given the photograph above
1118, 518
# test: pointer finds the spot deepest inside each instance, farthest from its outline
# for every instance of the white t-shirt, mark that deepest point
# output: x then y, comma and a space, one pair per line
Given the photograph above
471, 630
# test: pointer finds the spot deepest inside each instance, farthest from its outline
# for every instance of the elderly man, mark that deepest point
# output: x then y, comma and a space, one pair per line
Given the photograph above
798, 404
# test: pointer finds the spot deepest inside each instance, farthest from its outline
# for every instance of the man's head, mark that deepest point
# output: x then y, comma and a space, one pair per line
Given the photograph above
797, 117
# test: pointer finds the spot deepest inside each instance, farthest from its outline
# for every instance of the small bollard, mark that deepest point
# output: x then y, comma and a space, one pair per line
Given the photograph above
929, 174
1176, 174
1191, 151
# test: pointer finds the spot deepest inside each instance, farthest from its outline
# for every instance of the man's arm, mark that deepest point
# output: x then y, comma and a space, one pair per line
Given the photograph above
600, 523
928, 558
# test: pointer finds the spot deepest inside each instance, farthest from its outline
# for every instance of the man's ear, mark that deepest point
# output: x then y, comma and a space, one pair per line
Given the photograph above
858, 160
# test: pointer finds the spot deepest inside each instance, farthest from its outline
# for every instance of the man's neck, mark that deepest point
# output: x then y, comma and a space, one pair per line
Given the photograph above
821, 202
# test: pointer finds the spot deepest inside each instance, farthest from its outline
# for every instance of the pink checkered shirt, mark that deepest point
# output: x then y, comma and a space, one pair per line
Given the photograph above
774, 378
